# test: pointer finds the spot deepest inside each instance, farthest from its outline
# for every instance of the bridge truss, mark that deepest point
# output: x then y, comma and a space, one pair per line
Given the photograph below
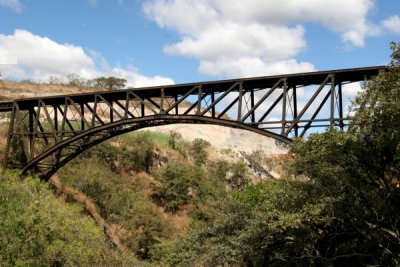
47, 132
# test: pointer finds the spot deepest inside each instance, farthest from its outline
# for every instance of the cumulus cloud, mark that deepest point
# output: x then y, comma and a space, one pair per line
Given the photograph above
252, 66
350, 90
38, 57
244, 38
135, 79
392, 24
14, 4
27, 56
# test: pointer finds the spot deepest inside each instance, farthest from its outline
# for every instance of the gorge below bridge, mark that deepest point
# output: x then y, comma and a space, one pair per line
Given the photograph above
47, 132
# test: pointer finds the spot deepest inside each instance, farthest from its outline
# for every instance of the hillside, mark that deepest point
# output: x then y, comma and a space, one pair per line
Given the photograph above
145, 188
14, 90
128, 192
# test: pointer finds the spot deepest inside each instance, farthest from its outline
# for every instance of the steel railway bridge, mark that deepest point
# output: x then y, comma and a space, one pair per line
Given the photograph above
47, 132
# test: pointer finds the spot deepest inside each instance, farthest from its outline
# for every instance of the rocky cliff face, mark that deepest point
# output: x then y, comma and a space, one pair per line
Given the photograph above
237, 140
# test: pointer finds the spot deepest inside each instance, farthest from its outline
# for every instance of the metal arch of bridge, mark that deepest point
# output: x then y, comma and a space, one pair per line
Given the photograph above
53, 130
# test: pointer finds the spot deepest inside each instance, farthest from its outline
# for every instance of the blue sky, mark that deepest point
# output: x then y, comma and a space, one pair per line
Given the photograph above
152, 42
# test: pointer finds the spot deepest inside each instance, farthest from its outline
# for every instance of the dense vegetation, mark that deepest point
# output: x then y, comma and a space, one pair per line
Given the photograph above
171, 204
37, 229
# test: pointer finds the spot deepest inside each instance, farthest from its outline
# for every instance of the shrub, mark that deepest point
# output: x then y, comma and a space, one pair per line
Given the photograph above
138, 157
176, 185
174, 138
237, 175
199, 151
37, 229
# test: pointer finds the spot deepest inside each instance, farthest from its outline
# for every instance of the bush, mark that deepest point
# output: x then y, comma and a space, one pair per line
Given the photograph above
234, 174
105, 153
177, 185
237, 175
139, 156
174, 139
135, 214
199, 152
37, 229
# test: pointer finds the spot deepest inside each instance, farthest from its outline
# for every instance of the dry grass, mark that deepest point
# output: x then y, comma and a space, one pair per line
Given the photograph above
16, 90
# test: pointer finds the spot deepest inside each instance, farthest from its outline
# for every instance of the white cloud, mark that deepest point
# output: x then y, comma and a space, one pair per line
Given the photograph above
252, 66
186, 16
392, 24
191, 16
243, 38
39, 57
14, 4
35, 57
235, 40
350, 90
135, 79
339, 15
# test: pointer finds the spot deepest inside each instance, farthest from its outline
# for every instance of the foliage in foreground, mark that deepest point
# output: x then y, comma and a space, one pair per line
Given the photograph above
36, 229
261, 225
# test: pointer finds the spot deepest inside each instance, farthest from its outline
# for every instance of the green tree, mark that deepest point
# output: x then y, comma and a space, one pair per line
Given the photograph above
174, 138
176, 186
109, 82
136, 215
199, 152
139, 156
264, 225
37, 229
237, 175
75, 80
361, 170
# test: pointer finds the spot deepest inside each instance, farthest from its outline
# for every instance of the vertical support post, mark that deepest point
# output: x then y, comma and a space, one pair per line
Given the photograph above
200, 93
341, 123
55, 118
253, 117
83, 114
9, 135
239, 117
111, 112
296, 127
23, 133
93, 113
213, 108
32, 134
284, 106
59, 136
142, 109
176, 107
332, 116
162, 101
126, 106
